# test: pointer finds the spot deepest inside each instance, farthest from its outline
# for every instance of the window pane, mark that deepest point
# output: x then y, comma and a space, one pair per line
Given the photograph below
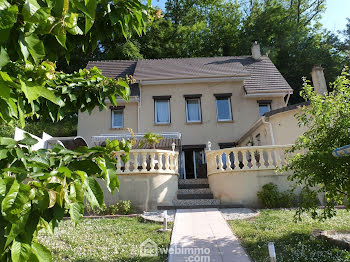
193, 110
162, 113
224, 109
117, 120
264, 109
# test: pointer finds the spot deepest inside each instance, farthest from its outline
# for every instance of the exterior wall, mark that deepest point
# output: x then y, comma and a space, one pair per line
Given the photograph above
285, 129
241, 187
145, 191
99, 122
245, 112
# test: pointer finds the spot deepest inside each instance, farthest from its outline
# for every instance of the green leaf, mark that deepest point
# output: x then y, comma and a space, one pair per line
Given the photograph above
88, 24
7, 141
33, 91
76, 211
21, 110
20, 252
72, 24
23, 47
14, 202
8, 14
88, 166
35, 47
94, 192
41, 252
34, 13
4, 58
61, 37
4, 90
3, 153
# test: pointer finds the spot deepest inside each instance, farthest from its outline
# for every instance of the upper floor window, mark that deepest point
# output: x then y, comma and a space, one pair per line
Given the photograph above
162, 109
223, 107
264, 106
193, 108
117, 116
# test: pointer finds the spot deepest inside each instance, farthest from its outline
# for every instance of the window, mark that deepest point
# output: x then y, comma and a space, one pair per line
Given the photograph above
193, 110
117, 117
223, 107
162, 110
264, 106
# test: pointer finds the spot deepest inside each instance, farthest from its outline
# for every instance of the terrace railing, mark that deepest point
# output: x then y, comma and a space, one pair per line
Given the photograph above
246, 158
148, 161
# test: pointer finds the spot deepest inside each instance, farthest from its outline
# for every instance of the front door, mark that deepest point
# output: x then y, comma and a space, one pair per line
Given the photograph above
193, 163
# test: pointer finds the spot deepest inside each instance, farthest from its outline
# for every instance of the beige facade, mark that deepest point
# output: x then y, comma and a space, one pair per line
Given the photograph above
279, 129
140, 115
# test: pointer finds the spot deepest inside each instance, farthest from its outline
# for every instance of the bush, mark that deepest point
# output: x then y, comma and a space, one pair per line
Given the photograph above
123, 207
271, 197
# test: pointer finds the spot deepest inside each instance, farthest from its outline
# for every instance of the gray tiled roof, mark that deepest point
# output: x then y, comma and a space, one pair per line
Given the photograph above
260, 76
116, 69
175, 68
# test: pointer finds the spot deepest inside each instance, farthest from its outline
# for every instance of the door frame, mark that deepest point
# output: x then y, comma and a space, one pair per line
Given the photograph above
193, 149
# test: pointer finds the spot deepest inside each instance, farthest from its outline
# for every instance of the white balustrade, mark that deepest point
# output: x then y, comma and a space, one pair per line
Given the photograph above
148, 161
246, 158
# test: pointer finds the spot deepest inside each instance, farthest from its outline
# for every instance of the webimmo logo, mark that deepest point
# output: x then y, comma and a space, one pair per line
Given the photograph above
148, 248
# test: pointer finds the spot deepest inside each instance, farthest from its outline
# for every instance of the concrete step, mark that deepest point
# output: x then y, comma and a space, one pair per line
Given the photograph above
195, 202
194, 191
174, 207
195, 196
193, 181
192, 186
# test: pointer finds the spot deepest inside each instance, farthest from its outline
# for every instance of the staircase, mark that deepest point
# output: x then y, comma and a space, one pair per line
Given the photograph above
195, 193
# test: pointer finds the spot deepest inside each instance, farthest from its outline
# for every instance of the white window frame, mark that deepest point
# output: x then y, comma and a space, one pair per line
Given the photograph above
155, 111
230, 109
200, 111
264, 104
112, 118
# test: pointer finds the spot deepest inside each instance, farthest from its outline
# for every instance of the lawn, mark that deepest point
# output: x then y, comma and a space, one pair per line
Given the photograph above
293, 241
104, 240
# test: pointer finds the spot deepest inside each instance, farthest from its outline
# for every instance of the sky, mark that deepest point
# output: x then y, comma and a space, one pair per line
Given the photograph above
334, 19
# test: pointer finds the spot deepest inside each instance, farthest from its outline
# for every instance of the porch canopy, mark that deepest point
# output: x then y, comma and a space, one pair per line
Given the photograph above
168, 138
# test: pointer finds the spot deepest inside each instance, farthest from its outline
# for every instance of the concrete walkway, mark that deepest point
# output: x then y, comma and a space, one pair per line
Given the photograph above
204, 235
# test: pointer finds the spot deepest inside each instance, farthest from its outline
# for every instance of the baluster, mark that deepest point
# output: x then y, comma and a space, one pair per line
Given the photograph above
176, 163
269, 158
220, 162
144, 162
153, 155
278, 157
160, 161
244, 159
166, 161
119, 163
127, 167
228, 160
236, 160
171, 161
261, 158
254, 162
136, 161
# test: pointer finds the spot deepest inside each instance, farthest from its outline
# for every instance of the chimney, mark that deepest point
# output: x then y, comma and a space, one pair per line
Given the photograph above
319, 80
256, 54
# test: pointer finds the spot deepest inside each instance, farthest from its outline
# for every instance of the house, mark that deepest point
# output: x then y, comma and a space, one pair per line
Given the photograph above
223, 101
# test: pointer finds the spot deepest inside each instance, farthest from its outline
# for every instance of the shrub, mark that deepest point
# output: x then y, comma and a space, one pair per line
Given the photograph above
123, 207
271, 197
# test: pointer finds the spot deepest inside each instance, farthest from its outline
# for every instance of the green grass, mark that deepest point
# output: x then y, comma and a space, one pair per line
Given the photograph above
293, 241
104, 240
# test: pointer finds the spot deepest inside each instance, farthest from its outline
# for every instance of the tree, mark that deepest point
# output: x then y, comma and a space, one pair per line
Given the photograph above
312, 164
37, 188
151, 139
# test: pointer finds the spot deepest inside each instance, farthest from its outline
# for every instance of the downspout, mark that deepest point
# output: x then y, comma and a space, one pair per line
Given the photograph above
271, 129
138, 110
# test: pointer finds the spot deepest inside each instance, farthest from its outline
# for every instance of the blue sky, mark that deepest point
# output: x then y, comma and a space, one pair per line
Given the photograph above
333, 19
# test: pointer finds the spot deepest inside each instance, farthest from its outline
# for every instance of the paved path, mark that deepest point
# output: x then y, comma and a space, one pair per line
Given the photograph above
206, 232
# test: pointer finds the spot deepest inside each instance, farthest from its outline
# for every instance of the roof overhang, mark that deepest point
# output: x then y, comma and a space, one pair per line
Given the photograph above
267, 94
193, 80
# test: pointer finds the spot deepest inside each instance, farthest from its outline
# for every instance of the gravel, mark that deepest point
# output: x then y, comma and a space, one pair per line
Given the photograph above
228, 213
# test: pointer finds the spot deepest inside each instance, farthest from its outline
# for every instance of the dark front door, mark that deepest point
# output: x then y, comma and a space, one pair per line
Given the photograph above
194, 161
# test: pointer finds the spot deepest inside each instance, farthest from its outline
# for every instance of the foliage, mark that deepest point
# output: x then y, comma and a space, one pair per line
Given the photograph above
312, 163
271, 197
293, 241
104, 240
38, 188
150, 139
122, 207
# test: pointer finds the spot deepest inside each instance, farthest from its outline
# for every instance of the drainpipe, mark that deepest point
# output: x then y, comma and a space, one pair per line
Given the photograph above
271, 130
138, 110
